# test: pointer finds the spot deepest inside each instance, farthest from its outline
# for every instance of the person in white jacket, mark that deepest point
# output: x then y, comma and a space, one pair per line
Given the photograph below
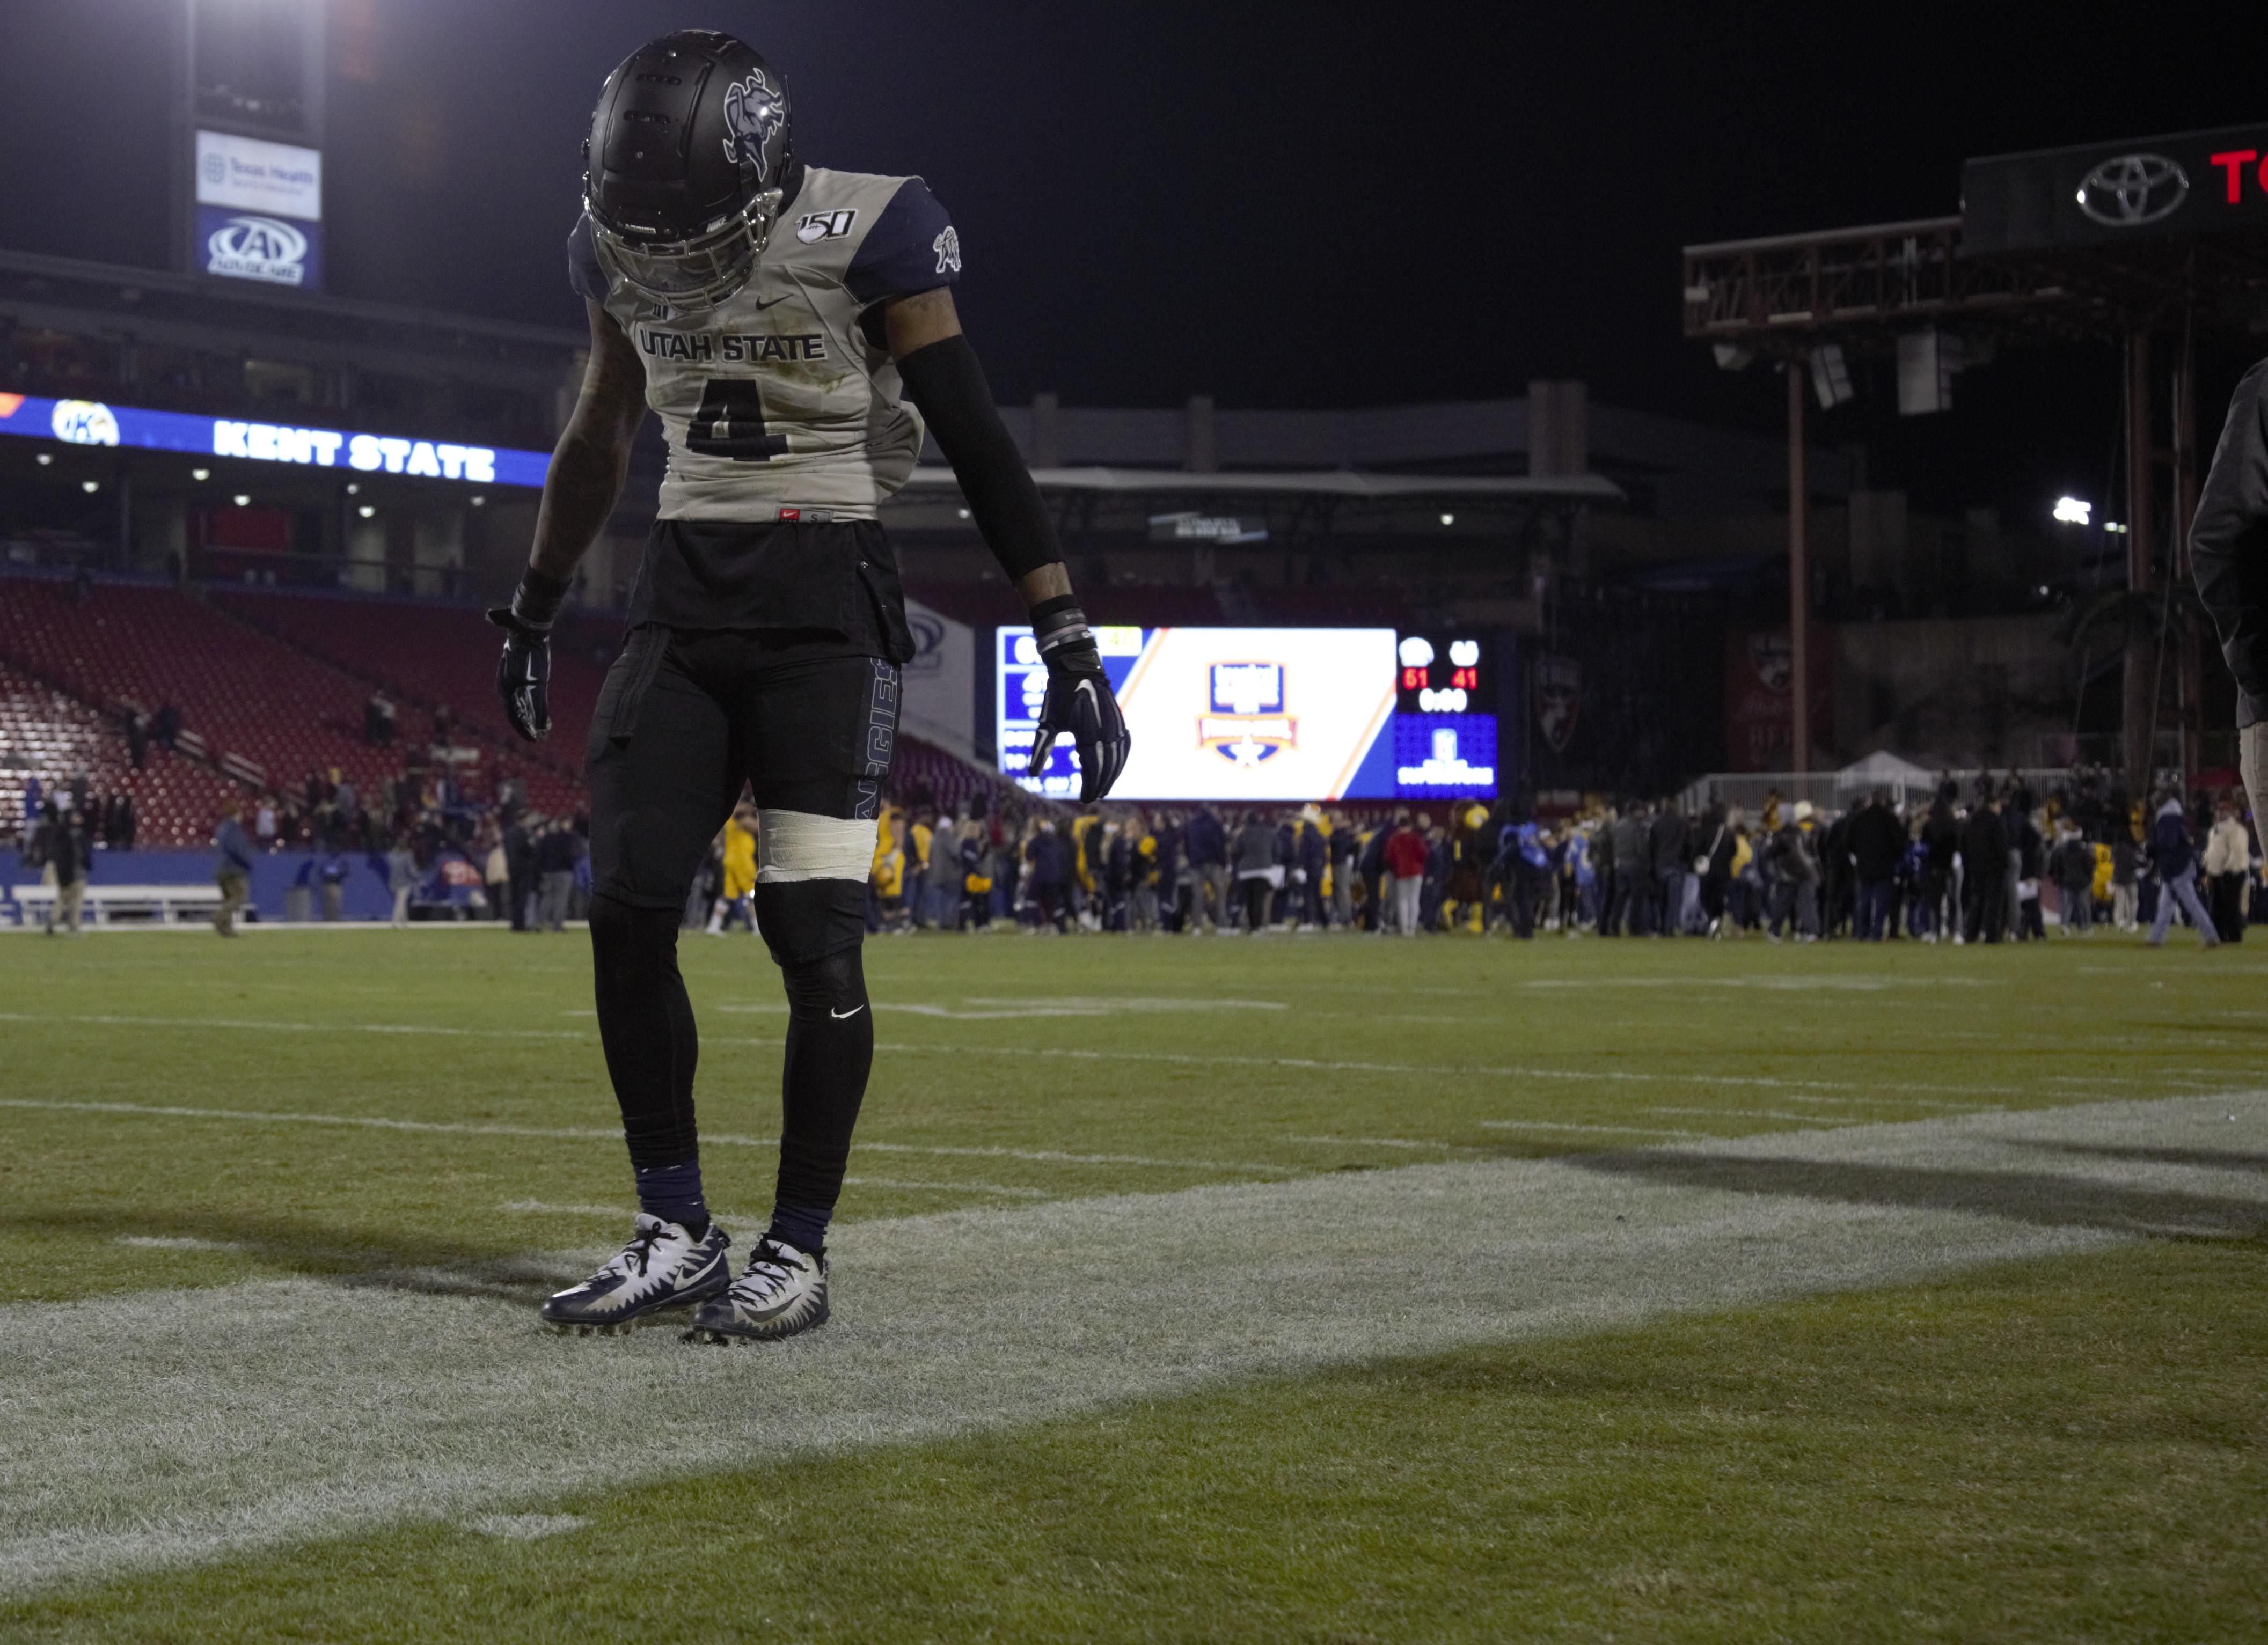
2227, 863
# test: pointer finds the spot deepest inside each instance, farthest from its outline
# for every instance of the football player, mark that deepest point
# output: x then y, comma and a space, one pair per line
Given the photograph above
794, 330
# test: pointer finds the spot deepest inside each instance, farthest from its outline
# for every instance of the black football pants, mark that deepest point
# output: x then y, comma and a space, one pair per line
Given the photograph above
685, 719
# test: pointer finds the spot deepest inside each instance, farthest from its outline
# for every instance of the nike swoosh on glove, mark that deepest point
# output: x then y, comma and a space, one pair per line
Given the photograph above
523, 679
1079, 702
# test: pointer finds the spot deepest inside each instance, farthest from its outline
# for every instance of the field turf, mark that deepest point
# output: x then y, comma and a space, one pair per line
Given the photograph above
1316, 1288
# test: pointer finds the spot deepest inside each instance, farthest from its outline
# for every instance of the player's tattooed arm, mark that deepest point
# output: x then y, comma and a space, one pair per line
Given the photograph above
578, 494
593, 455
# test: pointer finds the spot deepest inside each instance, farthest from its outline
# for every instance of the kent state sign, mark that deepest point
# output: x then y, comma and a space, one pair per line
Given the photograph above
2192, 182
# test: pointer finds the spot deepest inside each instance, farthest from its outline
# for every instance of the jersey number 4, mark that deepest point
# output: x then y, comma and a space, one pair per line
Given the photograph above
731, 422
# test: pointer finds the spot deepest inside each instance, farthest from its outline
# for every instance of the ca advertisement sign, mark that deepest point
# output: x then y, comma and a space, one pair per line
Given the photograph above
92, 423
938, 704
259, 211
1257, 716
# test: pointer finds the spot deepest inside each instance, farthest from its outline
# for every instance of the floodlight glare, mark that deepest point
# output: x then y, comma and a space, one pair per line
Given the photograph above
365, 511
241, 500
200, 475
90, 485
2073, 512
1448, 519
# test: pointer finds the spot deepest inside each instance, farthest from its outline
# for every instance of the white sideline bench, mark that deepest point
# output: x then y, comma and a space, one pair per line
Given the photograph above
166, 905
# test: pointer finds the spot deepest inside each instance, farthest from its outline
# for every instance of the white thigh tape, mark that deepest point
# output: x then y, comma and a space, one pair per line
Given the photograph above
798, 845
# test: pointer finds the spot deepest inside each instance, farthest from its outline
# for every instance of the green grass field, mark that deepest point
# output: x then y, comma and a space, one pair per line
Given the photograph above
1318, 1289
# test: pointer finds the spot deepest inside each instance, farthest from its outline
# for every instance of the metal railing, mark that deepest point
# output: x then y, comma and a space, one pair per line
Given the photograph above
1838, 790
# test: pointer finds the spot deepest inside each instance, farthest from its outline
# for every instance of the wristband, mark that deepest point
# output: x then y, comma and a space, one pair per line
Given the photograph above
535, 603
1059, 622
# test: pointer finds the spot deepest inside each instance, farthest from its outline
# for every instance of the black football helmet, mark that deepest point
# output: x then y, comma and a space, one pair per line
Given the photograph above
686, 167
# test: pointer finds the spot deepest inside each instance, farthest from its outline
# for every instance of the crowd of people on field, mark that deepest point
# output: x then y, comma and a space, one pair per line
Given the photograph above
1993, 861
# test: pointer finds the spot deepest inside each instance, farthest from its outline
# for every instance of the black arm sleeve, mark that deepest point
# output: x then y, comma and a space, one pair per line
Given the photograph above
947, 383
2228, 544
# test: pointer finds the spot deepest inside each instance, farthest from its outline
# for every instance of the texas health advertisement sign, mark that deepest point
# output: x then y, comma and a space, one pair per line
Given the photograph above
259, 211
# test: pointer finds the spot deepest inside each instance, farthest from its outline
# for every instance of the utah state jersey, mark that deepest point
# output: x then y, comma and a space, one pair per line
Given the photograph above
777, 398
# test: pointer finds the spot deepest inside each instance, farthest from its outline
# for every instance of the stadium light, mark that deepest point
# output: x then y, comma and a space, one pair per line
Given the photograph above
354, 486
2074, 511
2114, 527
365, 511
46, 458
1448, 519
90, 485
200, 475
478, 501
241, 500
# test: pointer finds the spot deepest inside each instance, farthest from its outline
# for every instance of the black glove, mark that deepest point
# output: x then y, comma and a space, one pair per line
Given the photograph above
524, 672
1079, 700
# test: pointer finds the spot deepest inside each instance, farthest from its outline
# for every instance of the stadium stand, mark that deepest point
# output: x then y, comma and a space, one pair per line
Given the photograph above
429, 655
271, 686
279, 713
45, 733
920, 769
256, 707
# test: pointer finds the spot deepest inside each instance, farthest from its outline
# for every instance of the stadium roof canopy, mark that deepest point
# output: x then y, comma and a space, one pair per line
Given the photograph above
1342, 484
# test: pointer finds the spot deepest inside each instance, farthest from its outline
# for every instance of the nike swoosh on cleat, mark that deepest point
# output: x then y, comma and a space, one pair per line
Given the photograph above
839, 1015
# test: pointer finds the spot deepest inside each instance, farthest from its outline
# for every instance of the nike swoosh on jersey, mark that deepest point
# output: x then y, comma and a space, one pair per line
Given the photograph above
839, 1015
762, 306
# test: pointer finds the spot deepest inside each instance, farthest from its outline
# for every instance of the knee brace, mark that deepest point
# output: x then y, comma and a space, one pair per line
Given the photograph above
811, 885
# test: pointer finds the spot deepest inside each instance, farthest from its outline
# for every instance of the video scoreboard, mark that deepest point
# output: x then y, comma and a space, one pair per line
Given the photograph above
1270, 715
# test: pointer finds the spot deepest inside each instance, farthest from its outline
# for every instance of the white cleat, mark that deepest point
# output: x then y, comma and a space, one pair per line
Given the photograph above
782, 1291
662, 1268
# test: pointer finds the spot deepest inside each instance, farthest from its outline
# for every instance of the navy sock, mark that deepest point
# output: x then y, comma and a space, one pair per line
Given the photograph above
802, 1226
673, 1193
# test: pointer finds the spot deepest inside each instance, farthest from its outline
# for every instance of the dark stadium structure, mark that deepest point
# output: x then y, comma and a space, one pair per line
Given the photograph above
2154, 245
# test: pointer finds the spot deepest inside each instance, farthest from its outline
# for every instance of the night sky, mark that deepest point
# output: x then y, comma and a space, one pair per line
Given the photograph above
1310, 205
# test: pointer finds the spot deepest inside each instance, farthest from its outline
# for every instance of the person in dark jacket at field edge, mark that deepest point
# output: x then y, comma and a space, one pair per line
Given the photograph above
1876, 840
2229, 545
2171, 854
1984, 880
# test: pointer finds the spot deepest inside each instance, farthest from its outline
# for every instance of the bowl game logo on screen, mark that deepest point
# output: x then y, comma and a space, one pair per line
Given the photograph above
1247, 724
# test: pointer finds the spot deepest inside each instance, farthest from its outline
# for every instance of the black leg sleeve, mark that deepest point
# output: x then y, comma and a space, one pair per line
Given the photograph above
646, 1022
830, 1051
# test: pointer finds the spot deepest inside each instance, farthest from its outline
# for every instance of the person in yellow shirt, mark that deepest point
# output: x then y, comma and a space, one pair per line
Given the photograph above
920, 834
736, 897
886, 881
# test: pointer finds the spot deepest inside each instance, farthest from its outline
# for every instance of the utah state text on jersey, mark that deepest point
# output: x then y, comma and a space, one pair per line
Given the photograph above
744, 347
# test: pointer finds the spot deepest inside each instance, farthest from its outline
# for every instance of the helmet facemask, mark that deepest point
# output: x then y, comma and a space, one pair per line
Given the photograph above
699, 273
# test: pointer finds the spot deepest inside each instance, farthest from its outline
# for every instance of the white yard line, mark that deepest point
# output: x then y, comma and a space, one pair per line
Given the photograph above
1082, 1054
1570, 1125
1384, 1141
271, 1025
721, 1139
170, 1427
1761, 1113
1695, 1079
